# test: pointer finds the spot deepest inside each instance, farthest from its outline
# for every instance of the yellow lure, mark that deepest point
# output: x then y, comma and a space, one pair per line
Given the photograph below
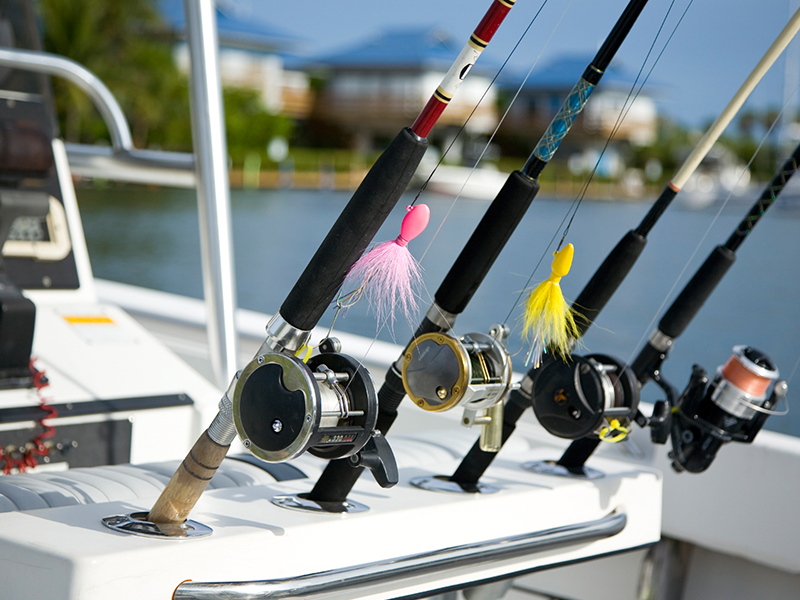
548, 319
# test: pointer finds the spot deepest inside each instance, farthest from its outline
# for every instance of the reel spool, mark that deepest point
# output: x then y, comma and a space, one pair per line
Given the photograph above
441, 372
587, 396
732, 408
283, 407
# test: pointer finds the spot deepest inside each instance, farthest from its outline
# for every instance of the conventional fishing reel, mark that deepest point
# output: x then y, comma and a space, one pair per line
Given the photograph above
731, 408
284, 406
594, 396
442, 372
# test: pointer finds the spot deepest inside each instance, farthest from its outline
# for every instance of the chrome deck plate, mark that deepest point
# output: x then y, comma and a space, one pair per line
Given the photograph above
137, 524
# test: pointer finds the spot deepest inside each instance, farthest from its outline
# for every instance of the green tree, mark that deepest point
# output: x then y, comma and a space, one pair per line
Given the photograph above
117, 42
128, 47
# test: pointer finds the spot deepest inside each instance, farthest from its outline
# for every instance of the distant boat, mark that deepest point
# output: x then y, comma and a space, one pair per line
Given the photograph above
718, 177
479, 183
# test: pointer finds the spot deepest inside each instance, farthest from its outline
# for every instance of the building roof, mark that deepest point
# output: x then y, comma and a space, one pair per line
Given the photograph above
403, 49
240, 24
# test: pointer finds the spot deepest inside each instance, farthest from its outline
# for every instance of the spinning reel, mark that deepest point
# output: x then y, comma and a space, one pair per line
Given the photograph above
732, 408
594, 396
441, 372
327, 406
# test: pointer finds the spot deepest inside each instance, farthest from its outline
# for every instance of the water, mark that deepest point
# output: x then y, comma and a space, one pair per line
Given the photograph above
150, 238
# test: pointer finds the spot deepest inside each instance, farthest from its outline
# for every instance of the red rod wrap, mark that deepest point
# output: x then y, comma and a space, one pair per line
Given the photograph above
484, 32
428, 117
491, 20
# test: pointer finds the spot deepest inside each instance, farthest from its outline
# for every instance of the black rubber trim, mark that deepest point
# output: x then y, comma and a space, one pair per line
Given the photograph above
280, 471
94, 407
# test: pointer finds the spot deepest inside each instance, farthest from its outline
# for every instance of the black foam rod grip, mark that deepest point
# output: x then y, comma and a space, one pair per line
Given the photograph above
490, 236
694, 295
608, 278
353, 231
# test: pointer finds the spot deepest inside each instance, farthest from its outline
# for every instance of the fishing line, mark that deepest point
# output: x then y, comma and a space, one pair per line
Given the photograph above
480, 101
620, 118
494, 133
708, 230
791, 375
626, 108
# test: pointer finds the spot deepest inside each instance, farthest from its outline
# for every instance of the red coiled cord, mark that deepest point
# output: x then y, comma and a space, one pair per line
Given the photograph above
36, 447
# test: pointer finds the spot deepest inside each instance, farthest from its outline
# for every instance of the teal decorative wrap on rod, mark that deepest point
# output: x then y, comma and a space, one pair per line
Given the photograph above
562, 122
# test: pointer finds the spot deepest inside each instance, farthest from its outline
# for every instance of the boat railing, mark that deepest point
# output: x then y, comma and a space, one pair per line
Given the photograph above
207, 168
121, 161
370, 577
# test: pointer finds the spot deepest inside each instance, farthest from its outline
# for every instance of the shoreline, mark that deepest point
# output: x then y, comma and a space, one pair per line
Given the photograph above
349, 180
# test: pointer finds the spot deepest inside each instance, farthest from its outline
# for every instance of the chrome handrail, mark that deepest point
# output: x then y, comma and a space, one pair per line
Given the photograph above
121, 162
372, 575
150, 167
52, 64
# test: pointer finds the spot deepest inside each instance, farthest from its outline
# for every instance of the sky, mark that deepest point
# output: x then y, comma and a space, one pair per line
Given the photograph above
713, 50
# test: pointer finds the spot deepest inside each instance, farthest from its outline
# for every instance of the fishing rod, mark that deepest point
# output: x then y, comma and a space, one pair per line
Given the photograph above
593, 298
283, 403
735, 405
477, 366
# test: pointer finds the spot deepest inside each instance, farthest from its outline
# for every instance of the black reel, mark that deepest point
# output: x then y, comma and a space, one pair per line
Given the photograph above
586, 396
732, 408
283, 407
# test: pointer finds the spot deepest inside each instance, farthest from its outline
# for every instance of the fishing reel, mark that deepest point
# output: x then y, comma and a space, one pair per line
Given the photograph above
441, 371
593, 396
284, 406
732, 408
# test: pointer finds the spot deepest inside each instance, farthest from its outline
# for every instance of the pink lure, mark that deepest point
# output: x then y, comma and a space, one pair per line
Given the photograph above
388, 273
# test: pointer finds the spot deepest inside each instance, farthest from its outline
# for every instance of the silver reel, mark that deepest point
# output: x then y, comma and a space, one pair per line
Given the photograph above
283, 407
441, 372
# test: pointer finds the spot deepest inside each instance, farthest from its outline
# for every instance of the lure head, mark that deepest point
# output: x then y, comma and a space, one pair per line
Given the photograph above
415, 221
563, 260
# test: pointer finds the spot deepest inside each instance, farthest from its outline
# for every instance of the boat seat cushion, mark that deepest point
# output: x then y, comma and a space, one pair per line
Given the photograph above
49, 489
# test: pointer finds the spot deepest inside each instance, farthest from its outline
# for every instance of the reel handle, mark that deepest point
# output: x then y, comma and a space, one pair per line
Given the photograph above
377, 456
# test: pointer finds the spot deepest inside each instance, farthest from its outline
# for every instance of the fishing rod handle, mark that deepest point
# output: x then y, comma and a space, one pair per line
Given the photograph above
608, 277
189, 482
476, 461
487, 241
696, 292
478, 41
354, 229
